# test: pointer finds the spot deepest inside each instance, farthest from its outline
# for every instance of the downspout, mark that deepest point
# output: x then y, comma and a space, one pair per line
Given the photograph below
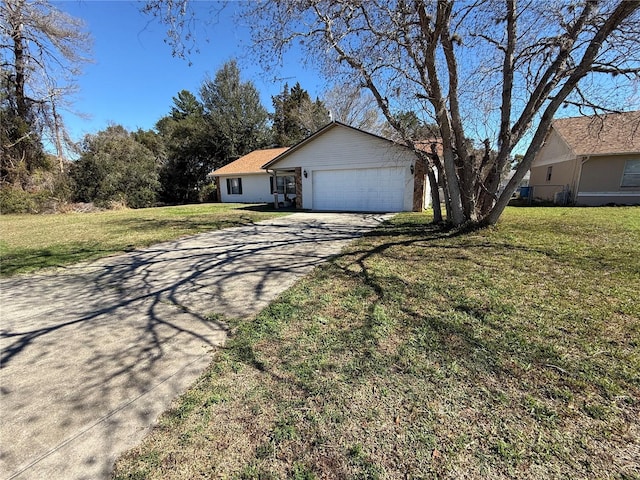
577, 178
274, 190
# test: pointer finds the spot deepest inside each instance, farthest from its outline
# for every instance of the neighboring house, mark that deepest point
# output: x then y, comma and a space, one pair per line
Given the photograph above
590, 161
244, 181
523, 183
338, 168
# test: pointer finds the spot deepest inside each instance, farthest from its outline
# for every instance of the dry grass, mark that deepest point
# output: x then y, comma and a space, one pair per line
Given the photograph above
512, 352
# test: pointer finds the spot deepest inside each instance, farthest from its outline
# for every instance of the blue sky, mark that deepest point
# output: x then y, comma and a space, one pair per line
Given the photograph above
134, 76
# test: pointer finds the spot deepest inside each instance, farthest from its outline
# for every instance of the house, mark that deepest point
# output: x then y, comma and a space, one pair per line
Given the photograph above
338, 168
589, 161
244, 180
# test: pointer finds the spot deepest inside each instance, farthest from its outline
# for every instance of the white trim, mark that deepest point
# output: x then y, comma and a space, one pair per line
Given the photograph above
227, 175
609, 194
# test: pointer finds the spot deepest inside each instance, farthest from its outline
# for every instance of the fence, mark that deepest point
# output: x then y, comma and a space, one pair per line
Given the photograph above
557, 194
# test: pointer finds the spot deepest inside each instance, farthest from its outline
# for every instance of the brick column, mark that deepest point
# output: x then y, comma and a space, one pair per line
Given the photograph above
419, 173
298, 187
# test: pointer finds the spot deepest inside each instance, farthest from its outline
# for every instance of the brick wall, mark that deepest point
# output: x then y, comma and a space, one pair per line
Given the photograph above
298, 187
419, 178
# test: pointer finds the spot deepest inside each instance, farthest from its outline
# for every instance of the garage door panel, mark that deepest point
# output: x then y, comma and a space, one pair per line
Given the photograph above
366, 189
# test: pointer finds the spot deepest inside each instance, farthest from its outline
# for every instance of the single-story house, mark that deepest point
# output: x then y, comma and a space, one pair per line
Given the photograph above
589, 161
338, 168
245, 181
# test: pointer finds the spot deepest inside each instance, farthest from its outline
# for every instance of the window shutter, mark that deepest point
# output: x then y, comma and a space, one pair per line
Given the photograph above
228, 186
239, 186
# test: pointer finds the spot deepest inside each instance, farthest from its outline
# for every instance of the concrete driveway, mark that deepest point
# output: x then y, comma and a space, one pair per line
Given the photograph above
93, 353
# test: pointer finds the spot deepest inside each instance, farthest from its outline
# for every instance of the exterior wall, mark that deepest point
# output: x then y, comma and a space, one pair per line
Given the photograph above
598, 200
600, 182
346, 149
554, 150
563, 174
555, 153
255, 189
591, 180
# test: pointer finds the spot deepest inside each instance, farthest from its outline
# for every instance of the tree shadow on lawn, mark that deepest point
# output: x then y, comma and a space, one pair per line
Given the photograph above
268, 208
490, 336
359, 323
530, 379
190, 225
469, 310
27, 260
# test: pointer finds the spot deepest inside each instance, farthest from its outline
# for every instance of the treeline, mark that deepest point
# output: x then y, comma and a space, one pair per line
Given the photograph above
165, 165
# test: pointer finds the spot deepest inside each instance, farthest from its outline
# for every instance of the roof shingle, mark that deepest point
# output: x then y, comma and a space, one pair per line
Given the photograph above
251, 162
614, 133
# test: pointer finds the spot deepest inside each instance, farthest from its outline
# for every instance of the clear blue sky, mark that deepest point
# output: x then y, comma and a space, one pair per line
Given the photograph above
134, 76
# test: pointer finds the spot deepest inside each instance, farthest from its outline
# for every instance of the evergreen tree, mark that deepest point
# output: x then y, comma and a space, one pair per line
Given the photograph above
191, 150
296, 116
203, 134
233, 110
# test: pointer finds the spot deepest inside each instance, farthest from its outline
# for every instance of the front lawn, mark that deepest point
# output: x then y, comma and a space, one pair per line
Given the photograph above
31, 242
513, 352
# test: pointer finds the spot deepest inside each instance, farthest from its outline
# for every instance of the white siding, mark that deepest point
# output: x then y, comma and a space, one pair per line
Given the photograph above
255, 189
348, 150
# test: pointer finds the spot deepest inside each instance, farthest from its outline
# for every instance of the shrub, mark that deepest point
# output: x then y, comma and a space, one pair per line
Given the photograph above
114, 167
16, 200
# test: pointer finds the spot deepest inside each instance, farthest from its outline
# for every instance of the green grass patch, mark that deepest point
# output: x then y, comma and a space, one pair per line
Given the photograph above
32, 242
511, 352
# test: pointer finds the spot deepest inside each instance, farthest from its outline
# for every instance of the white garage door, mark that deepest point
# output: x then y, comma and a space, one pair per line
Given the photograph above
361, 190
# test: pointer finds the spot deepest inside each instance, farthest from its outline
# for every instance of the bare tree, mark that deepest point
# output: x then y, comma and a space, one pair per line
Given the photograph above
354, 106
42, 49
497, 68
491, 71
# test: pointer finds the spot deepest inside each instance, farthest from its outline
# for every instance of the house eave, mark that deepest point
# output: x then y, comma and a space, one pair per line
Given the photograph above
236, 174
609, 154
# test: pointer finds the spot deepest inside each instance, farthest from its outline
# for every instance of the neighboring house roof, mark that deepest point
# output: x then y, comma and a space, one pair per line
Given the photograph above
614, 133
250, 163
315, 135
425, 145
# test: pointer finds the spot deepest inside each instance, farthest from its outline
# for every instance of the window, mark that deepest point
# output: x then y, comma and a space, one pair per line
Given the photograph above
631, 175
284, 185
549, 169
234, 186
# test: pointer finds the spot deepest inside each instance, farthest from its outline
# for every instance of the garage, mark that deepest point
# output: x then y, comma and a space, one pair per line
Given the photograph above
342, 168
362, 190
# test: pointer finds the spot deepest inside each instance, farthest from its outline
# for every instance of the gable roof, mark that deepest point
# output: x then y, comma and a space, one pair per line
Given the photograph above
322, 131
614, 133
251, 162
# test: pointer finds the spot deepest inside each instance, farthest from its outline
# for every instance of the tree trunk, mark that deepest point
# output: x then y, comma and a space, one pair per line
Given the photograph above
22, 106
435, 196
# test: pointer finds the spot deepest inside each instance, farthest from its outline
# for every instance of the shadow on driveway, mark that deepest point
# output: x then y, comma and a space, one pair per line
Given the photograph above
93, 353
